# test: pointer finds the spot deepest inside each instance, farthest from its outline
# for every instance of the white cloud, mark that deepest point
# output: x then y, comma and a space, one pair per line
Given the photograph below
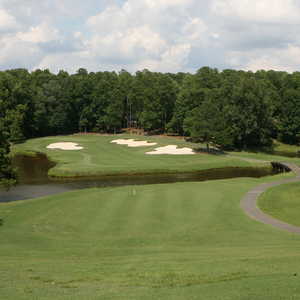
148, 33
16, 53
284, 60
166, 3
194, 30
7, 21
61, 61
161, 35
128, 44
287, 59
27, 48
39, 34
259, 10
172, 60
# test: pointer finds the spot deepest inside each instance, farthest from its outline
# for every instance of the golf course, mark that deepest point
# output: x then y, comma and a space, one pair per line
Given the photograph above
149, 150
186, 240
282, 203
101, 157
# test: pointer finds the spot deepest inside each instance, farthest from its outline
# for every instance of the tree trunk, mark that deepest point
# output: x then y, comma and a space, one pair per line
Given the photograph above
207, 147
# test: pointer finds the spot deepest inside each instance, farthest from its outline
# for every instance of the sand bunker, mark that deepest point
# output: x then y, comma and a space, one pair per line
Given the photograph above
133, 143
65, 146
172, 150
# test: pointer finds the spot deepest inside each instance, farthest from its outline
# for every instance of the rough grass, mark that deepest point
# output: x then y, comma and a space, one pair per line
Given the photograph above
100, 157
282, 202
278, 148
172, 241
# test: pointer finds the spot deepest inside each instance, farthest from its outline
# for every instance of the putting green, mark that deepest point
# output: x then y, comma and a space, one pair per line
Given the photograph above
282, 202
101, 157
171, 241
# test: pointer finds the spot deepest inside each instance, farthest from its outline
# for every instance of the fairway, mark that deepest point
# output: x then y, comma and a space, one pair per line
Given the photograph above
131, 169
101, 157
171, 241
165, 241
282, 202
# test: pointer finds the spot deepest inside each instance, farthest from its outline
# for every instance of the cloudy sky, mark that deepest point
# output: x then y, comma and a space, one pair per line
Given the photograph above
160, 35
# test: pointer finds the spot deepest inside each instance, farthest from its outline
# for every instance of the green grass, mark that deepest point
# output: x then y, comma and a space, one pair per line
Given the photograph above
172, 241
282, 202
100, 157
278, 147
263, 157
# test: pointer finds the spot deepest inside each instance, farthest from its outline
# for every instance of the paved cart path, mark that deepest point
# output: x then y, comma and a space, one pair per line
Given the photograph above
249, 201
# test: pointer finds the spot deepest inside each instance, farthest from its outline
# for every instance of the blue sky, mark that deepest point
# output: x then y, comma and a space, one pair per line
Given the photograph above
160, 35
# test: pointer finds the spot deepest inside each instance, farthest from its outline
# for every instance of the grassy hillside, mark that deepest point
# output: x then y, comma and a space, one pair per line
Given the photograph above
172, 241
100, 157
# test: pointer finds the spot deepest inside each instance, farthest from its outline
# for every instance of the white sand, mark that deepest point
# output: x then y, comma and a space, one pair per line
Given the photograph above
64, 146
172, 150
133, 143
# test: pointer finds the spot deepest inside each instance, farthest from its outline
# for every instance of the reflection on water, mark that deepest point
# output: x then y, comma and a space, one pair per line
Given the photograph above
32, 169
34, 182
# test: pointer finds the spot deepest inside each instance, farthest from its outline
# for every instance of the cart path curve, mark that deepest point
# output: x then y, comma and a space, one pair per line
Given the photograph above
249, 201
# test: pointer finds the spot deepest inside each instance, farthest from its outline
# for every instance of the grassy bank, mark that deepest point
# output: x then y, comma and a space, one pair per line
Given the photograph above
283, 203
100, 157
278, 146
173, 241
281, 153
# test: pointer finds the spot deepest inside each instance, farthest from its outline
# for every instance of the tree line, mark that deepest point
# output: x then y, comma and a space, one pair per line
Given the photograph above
229, 108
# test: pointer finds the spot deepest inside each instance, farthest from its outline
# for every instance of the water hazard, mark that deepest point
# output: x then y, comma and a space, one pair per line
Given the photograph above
34, 181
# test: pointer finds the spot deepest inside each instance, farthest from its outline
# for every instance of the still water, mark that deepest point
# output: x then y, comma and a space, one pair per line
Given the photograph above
34, 181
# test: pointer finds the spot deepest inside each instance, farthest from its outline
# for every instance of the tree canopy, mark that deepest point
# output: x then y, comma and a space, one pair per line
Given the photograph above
229, 108
7, 174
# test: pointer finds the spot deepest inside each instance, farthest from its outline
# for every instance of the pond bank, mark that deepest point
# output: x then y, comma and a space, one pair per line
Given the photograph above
35, 182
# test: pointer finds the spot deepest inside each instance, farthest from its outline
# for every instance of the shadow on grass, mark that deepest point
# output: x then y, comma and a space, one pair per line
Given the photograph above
213, 151
271, 150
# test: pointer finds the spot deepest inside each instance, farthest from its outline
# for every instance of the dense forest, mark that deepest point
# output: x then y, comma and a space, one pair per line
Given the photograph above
7, 174
229, 109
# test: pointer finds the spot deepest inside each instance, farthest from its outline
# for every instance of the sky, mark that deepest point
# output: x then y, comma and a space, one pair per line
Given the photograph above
159, 35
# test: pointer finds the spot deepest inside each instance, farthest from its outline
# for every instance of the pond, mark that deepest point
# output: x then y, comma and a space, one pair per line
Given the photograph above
34, 181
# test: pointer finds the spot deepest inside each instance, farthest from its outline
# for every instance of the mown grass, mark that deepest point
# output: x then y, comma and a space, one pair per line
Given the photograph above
282, 202
171, 241
278, 146
281, 152
100, 157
